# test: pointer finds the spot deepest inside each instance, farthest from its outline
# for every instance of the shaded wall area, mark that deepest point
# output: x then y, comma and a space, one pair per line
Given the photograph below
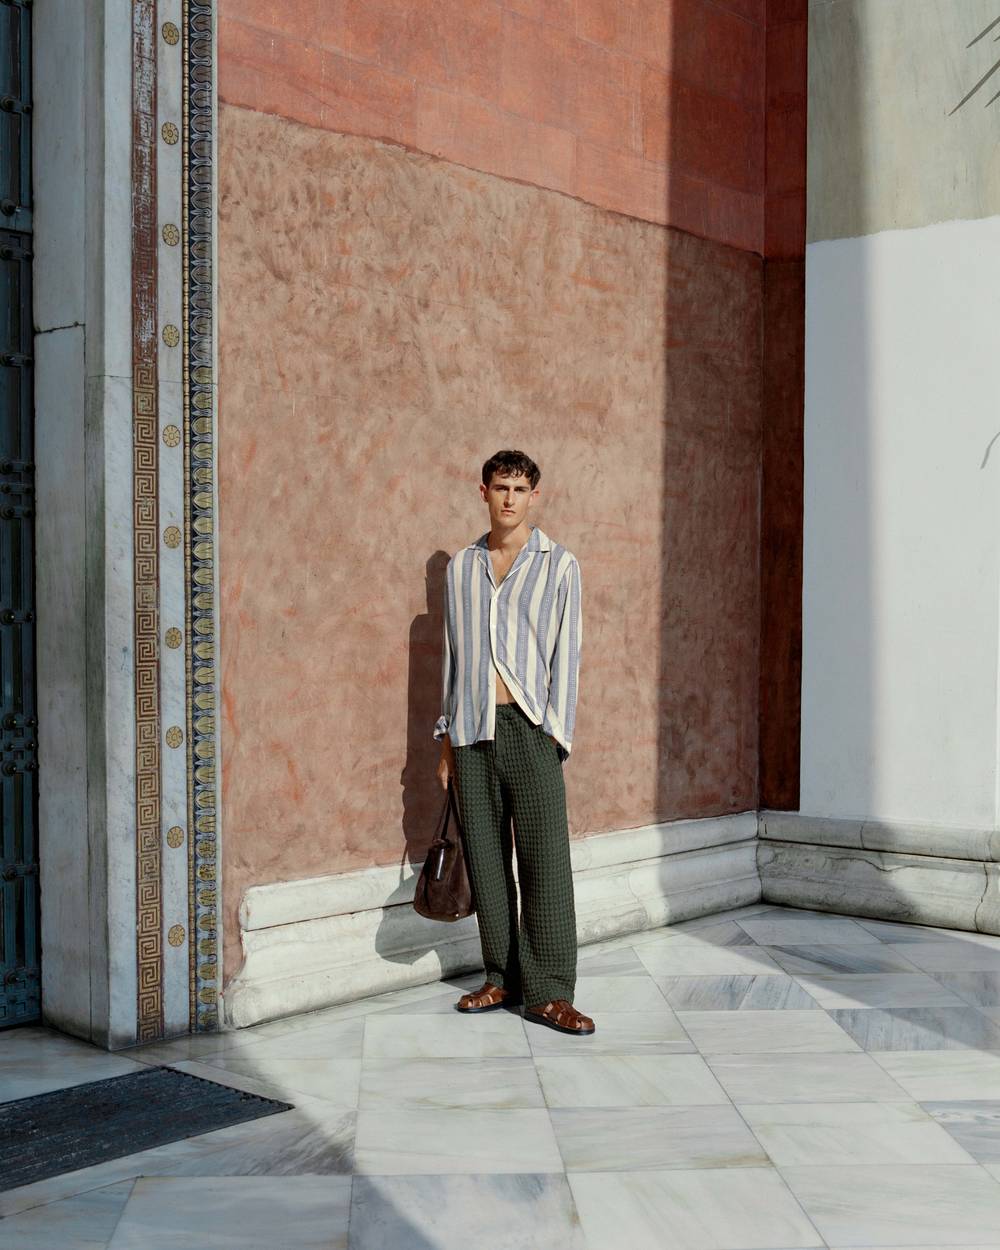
388, 320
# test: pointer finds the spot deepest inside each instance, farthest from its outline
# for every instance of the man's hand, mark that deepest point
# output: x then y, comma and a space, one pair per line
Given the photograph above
446, 765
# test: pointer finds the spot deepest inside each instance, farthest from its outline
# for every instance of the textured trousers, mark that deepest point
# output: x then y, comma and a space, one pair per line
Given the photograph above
511, 793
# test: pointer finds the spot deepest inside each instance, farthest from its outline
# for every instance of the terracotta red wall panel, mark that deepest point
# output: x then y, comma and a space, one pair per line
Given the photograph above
387, 321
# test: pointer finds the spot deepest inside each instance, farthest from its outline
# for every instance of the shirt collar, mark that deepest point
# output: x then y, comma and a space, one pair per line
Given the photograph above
537, 541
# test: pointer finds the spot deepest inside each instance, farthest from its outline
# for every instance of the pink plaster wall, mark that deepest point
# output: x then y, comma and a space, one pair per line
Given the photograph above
387, 321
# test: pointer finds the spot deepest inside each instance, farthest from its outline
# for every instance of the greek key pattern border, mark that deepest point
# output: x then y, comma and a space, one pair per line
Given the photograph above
145, 522
200, 541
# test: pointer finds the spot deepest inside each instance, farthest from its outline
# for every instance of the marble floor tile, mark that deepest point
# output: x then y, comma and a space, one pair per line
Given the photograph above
978, 989
24, 1078
899, 1204
504, 1212
443, 1036
764, 992
775, 929
950, 956
626, 1139
873, 957
974, 1124
685, 960
878, 989
773, 1032
83, 1222
830, 1133
900, 931
806, 1078
448, 1084
236, 1213
942, 1074
412, 1143
617, 993
919, 1028
333, 1080
617, 963
616, 1033
703, 1209
628, 1081
708, 931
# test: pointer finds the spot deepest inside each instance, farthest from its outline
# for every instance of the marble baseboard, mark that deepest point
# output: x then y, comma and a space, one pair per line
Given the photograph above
319, 942
887, 870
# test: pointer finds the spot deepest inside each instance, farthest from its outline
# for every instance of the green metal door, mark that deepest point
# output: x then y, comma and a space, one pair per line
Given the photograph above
20, 980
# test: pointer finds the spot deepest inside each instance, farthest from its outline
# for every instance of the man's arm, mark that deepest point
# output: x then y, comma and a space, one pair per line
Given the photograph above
447, 665
560, 712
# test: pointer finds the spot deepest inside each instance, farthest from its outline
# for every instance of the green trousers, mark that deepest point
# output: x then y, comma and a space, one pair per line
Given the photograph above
517, 779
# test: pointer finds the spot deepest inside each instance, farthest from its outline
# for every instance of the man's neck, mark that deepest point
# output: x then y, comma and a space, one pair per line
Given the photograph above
509, 543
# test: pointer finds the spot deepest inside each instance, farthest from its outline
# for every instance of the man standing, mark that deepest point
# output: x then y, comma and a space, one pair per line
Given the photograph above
512, 634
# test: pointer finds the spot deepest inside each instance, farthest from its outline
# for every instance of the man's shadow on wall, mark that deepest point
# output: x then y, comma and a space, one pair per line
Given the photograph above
403, 936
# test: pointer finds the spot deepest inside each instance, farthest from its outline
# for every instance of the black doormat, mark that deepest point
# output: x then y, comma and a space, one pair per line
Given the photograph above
48, 1134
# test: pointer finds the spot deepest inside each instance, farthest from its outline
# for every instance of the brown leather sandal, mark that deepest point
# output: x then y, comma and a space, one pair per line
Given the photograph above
561, 1015
487, 998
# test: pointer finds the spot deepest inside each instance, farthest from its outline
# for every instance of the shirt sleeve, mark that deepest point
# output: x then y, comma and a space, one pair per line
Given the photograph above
447, 664
564, 668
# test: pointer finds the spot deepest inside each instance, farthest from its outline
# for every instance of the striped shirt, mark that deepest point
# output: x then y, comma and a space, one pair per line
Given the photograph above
529, 629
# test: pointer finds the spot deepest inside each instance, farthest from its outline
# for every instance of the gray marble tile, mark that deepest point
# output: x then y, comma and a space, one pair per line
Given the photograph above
806, 1078
974, 1124
236, 1213
978, 989
899, 1204
616, 1033
388, 1084
831, 1133
873, 957
703, 1209
515, 1212
773, 1032
628, 1081
918, 1028
950, 956
706, 931
617, 993
49, 1070
899, 931
83, 1222
942, 1074
878, 989
412, 1143
616, 963
333, 1039
764, 992
683, 959
333, 1080
627, 1139
442, 1036
805, 930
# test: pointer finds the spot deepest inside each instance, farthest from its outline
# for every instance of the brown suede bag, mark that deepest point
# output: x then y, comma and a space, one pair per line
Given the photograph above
443, 891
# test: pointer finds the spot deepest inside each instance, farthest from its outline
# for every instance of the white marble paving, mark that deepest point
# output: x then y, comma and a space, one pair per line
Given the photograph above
395, 1143
764, 1032
759, 1080
703, 1209
821, 1133
899, 1204
237, 1212
516, 1212
628, 1081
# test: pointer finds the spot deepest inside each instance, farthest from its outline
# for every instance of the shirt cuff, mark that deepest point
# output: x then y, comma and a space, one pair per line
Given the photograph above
441, 726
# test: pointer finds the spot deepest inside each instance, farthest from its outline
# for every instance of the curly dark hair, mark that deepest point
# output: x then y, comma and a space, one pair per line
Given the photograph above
512, 464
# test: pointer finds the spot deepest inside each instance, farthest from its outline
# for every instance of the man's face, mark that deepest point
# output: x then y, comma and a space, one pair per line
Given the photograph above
509, 499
